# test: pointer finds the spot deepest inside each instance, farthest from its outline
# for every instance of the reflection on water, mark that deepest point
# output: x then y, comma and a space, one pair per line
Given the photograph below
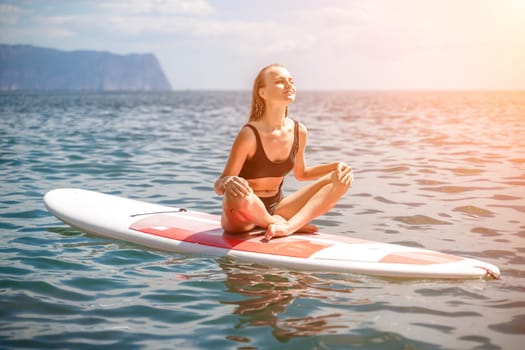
269, 293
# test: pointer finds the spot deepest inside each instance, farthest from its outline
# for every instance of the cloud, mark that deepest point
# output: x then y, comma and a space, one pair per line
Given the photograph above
15, 28
59, 33
246, 38
347, 13
57, 20
196, 21
9, 15
158, 7
287, 46
58, 27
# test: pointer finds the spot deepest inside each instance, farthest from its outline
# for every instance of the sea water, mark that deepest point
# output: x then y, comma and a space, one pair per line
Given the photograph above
440, 170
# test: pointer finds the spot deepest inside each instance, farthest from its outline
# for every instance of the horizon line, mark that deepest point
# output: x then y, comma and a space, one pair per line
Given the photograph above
249, 90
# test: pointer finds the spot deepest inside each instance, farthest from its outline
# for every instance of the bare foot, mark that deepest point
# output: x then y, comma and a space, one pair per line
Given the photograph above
308, 228
276, 230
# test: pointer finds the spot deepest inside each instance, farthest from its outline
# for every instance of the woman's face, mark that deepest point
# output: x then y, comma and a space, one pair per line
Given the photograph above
279, 85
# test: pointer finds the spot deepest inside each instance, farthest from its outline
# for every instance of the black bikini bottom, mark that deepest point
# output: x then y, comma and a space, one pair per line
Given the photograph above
271, 203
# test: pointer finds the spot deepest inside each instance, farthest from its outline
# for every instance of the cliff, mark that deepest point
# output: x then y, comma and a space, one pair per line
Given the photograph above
25, 67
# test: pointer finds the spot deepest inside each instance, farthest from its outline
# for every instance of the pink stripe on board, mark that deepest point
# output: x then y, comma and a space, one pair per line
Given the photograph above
419, 258
190, 231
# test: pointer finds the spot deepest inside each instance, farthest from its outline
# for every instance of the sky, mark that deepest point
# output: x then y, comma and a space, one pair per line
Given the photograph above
326, 44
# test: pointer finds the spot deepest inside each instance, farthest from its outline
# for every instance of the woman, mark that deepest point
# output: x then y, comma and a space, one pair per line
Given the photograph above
265, 150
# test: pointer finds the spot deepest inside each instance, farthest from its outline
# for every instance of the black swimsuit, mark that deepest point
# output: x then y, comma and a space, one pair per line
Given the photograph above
271, 203
259, 166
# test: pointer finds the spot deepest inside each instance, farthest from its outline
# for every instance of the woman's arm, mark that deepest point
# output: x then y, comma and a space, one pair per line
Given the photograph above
303, 172
241, 148
317, 171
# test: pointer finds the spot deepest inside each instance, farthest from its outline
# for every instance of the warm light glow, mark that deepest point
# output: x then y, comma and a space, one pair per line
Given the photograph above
333, 44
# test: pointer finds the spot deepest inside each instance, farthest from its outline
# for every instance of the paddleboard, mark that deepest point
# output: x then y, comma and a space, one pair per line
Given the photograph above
192, 232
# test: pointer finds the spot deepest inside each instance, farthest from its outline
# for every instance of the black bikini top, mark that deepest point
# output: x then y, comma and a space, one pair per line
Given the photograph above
259, 166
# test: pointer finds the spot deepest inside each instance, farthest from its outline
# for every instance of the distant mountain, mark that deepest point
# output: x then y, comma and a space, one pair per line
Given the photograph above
25, 67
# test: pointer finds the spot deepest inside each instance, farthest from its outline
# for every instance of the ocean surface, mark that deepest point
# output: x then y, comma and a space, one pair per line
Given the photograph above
440, 170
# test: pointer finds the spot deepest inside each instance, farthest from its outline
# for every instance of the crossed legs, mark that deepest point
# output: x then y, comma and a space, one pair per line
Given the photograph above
306, 204
241, 214
293, 213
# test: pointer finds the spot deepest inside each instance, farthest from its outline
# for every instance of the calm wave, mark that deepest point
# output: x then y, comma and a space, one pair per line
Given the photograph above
444, 171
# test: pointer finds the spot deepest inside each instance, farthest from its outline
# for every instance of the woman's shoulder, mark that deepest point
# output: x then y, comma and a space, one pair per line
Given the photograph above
301, 126
246, 134
293, 122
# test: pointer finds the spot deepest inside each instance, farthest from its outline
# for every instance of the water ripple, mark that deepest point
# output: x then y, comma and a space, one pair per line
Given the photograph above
440, 170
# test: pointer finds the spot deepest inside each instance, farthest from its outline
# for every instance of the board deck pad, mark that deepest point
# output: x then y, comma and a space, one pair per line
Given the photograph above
176, 228
184, 228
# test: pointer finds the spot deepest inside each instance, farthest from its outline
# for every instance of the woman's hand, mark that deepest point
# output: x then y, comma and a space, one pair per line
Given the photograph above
345, 174
236, 186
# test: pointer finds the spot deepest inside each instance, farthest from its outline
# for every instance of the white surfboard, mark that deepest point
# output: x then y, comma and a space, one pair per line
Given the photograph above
192, 232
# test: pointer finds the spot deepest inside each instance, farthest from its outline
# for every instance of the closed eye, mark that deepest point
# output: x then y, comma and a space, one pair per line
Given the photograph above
282, 81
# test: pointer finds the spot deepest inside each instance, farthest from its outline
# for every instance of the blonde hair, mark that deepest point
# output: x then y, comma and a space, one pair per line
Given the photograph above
258, 105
